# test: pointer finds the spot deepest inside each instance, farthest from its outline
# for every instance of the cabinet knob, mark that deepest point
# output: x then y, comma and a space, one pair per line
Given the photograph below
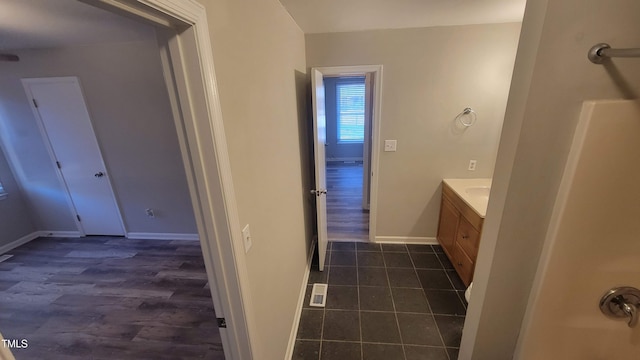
465, 236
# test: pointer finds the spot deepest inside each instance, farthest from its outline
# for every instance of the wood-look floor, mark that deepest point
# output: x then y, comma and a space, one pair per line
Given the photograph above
108, 298
346, 220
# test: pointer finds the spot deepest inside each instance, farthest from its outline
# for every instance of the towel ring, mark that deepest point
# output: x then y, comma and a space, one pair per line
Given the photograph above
472, 117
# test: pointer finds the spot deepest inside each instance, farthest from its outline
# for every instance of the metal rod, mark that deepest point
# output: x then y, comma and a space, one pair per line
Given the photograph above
620, 52
599, 52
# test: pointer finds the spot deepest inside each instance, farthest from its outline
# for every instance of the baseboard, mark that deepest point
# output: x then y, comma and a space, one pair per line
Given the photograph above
161, 236
69, 234
296, 318
406, 240
347, 159
23, 240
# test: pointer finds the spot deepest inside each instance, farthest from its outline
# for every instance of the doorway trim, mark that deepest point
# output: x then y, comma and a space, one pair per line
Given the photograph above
187, 60
376, 120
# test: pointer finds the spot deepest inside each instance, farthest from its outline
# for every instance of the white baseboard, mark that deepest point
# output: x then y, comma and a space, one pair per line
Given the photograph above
23, 240
69, 234
303, 291
161, 236
406, 240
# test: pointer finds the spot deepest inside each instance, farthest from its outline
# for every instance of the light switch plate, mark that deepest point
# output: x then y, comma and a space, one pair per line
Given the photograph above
390, 145
246, 236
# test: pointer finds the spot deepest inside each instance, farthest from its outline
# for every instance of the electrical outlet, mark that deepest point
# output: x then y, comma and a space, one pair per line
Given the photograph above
149, 212
246, 236
390, 145
472, 165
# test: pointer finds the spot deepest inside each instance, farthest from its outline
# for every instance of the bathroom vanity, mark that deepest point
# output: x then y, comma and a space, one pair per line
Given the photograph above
462, 212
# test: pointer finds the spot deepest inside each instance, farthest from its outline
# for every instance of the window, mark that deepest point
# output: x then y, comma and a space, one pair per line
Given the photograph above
350, 109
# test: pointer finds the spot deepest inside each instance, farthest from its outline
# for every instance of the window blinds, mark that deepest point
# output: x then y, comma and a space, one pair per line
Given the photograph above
350, 106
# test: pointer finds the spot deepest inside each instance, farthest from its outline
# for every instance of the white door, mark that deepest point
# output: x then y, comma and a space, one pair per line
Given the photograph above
593, 245
320, 139
60, 106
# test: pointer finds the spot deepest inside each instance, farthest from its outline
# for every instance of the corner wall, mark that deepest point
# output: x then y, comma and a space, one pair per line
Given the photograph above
430, 75
260, 69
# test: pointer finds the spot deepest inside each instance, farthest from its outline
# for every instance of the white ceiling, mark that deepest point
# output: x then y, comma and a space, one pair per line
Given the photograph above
58, 23
320, 16
27, 24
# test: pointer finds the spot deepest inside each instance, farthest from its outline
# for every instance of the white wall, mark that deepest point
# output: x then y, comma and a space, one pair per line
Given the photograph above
129, 108
260, 68
552, 78
430, 75
15, 217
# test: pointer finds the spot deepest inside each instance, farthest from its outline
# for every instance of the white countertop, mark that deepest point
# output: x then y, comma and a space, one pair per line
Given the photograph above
474, 192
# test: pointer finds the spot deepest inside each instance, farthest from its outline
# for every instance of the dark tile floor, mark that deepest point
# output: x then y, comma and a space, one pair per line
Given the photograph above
386, 302
108, 298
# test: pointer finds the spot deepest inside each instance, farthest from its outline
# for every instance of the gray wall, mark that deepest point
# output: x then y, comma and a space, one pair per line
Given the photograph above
15, 217
430, 75
259, 57
552, 78
334, 150
129, 108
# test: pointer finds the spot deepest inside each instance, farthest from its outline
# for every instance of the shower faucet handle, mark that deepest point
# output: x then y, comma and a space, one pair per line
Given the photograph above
632, 312
622, 302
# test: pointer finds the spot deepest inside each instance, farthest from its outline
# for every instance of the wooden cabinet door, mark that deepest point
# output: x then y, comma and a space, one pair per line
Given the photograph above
448, 225
464, 266
468, 238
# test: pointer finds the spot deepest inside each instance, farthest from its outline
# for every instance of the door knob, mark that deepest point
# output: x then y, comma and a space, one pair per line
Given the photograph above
99, 174
318, 192
622, 303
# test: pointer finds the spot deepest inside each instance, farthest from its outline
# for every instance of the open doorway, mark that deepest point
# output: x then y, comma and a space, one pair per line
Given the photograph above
346, 114
348, 108
183, 57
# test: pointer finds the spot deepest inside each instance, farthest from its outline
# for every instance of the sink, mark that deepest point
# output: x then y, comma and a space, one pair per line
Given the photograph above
478, 191
474, 192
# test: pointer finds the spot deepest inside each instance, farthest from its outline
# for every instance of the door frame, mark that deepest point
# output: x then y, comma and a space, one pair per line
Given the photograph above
367, 149
187, 61
376, 120
26, 83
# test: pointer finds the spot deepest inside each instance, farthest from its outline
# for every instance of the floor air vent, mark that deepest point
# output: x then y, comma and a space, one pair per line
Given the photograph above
318, 295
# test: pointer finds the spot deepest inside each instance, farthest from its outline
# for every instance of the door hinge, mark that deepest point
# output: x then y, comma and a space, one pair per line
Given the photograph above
35, 103
222, 322
78, 217
58, 165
